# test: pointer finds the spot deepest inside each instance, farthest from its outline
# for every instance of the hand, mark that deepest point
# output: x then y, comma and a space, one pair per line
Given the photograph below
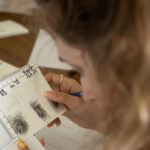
23, 146
61, 94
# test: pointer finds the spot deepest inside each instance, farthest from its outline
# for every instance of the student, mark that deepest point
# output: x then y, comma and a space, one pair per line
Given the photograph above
107, 41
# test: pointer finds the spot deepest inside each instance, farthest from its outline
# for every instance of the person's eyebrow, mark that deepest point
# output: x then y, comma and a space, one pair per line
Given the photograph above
62, 60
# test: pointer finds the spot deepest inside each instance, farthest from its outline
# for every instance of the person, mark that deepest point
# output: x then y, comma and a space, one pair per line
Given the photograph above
107, 41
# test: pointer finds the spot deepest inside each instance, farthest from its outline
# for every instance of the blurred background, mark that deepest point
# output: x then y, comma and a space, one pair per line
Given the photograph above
18, 6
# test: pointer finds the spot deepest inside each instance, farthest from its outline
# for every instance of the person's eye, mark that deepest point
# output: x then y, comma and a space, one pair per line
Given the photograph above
79, 70
61, 59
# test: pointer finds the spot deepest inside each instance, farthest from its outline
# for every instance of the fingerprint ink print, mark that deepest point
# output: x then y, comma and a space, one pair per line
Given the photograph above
40, 111
19, 124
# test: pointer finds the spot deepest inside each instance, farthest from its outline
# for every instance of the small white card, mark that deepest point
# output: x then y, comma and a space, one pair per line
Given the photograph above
6, 143
23, 103
10, 28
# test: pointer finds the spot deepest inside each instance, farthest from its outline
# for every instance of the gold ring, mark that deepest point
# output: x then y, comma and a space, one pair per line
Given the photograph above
61, 79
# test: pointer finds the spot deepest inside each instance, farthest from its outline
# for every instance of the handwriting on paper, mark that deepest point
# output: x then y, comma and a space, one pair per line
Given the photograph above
13, 81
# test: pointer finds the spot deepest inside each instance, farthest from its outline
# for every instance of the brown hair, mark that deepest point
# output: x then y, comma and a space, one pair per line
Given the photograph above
116, 34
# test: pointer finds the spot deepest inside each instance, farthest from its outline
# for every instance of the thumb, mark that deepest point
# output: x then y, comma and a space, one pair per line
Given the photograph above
22, 145
42, 141
72, 102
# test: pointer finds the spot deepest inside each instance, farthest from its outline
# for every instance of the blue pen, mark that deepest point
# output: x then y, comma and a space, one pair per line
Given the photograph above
79, 94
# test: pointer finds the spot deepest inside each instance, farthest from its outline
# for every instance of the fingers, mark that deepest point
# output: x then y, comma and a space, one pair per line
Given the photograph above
56, 121
51, 124
42, 141
71, 102
68, 85
53, 78
22, 145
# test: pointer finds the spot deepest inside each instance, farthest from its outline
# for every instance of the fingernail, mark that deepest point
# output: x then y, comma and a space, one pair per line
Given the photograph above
21, 143
50, 94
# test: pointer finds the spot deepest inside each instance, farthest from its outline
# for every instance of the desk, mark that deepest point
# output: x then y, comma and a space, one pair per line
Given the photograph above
16, 50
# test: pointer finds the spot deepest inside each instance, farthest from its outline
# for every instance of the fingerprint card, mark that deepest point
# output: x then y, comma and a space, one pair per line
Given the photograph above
24, 104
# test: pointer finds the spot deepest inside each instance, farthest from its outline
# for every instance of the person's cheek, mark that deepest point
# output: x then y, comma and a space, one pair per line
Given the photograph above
87, 89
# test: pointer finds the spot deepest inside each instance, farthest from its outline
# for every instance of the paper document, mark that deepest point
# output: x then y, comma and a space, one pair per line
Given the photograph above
10, 28
23, 102
45, 52
6, 69
6, 142
70, 136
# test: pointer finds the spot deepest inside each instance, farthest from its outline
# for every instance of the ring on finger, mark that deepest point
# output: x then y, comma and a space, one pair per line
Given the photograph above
61, 79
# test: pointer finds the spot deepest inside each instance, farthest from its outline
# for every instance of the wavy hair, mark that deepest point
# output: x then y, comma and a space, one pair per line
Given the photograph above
116, 35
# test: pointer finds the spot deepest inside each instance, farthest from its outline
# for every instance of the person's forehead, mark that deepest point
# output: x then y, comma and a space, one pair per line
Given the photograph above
67, 52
